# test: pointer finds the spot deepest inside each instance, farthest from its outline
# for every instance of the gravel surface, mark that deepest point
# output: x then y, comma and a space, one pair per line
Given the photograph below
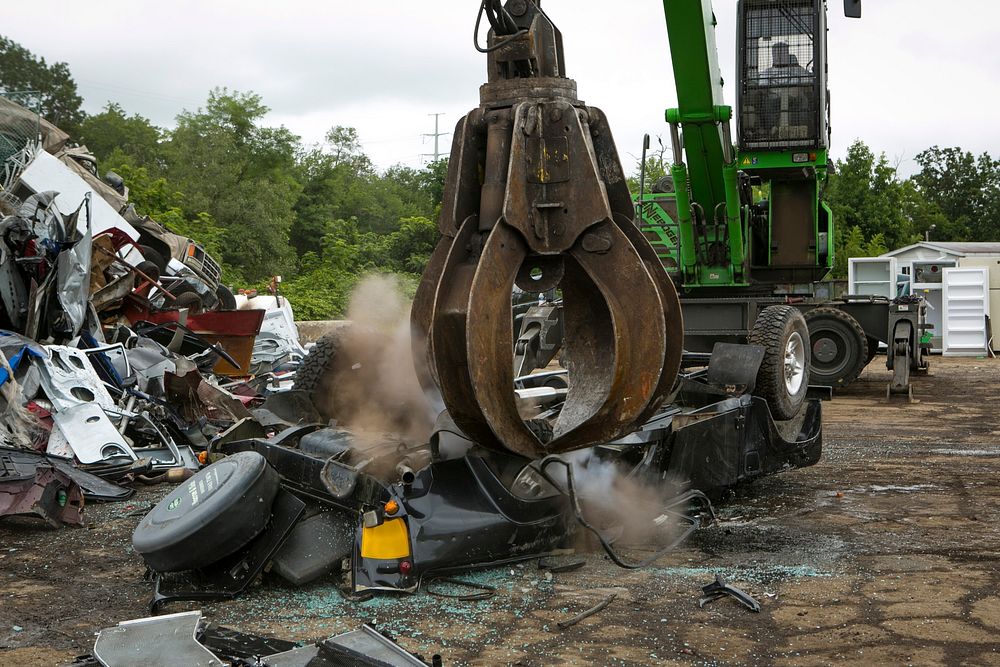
886, 552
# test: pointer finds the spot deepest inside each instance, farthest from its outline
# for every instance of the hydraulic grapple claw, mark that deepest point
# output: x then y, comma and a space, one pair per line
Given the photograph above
536, 196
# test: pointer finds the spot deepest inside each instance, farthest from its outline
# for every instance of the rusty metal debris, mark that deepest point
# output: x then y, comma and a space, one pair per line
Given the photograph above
597, 608
161, 640
494, 507
187, 639
482, 591
555, 567
104, 367
38, 488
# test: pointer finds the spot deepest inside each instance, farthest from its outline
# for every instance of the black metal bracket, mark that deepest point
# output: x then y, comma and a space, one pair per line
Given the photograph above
232, 576
719, 589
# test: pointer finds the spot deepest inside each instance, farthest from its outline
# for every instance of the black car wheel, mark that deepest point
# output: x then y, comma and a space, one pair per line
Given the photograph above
227, 300
783, 378
151, 255
839, 347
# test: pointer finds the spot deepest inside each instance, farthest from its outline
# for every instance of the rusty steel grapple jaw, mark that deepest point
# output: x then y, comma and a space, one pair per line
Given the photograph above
536, 196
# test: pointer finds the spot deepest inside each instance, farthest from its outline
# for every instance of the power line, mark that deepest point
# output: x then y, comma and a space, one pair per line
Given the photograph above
437, 135
128, 90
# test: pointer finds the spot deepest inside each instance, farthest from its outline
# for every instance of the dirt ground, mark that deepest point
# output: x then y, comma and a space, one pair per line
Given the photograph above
886, 552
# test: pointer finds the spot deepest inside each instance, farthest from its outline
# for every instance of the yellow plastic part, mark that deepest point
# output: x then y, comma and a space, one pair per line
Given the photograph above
389, 541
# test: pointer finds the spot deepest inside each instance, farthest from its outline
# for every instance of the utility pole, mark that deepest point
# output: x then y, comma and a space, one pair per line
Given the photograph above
437, 135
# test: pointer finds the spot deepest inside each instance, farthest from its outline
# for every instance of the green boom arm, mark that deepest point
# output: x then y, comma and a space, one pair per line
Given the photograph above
711, 170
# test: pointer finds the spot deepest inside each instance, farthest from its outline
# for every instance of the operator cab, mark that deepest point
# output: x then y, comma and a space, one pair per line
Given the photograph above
783, 134
782, 63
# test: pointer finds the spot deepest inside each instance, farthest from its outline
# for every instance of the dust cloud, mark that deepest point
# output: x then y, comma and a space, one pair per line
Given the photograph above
372, 386
626, 510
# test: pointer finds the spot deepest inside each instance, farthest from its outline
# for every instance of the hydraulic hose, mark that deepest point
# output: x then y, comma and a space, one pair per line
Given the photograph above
608, 549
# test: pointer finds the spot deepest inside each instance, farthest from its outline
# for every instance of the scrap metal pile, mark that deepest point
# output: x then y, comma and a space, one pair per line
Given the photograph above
119, 362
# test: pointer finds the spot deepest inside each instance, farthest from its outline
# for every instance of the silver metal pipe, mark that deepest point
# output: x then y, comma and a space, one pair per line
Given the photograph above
675, 143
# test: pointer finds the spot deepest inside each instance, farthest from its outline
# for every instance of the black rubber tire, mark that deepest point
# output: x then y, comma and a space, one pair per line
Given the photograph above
153, 256
227, 300
872, 350
181, 287
340, 372
148, 268
774, 328
210, 516
190, 300
185, 296
314, 368
838, 347
350, 380
664, 185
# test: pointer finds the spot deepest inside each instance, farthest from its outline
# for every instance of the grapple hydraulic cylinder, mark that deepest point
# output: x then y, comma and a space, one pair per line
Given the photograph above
536, 197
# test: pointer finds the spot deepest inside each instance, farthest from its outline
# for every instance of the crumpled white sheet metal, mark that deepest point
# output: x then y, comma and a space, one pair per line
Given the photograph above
47, 172
68, 379
79, 400
85, 431
156, 640
278, 340
73, 272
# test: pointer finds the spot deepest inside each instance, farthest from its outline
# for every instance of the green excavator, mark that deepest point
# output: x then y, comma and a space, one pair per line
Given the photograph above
752, 214
751, 228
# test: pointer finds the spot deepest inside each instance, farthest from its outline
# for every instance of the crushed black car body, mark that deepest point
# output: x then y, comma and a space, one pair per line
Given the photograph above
397, 514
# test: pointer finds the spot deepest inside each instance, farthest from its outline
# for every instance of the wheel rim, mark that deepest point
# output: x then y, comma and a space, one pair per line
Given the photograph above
825, 349
830, 353
795, 363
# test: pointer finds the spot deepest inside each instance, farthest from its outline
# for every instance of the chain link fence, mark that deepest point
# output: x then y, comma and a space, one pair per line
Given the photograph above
20, 136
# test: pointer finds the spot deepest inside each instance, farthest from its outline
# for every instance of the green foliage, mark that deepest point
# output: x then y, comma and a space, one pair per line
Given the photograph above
433, 179
263, 205
963, 192
657, 166
956, 196
242, 174
872, 207
408, 249
153, 196
348, 253
339, 182
319, 294
21, 70
133, 136
926, 217
865, 192
255, 198
852, 243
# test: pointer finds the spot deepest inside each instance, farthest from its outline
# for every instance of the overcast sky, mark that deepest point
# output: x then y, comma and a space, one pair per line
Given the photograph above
910, 74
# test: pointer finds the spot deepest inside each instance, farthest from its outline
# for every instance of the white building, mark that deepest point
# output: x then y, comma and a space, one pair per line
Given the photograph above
926, 264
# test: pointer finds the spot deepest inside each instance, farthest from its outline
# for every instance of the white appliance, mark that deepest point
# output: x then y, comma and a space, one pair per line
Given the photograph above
966, 306
928, 281
872, 276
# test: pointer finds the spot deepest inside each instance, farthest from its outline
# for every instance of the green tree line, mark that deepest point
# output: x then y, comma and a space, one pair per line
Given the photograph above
955, 196
322, 216
266, 204
260, 200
